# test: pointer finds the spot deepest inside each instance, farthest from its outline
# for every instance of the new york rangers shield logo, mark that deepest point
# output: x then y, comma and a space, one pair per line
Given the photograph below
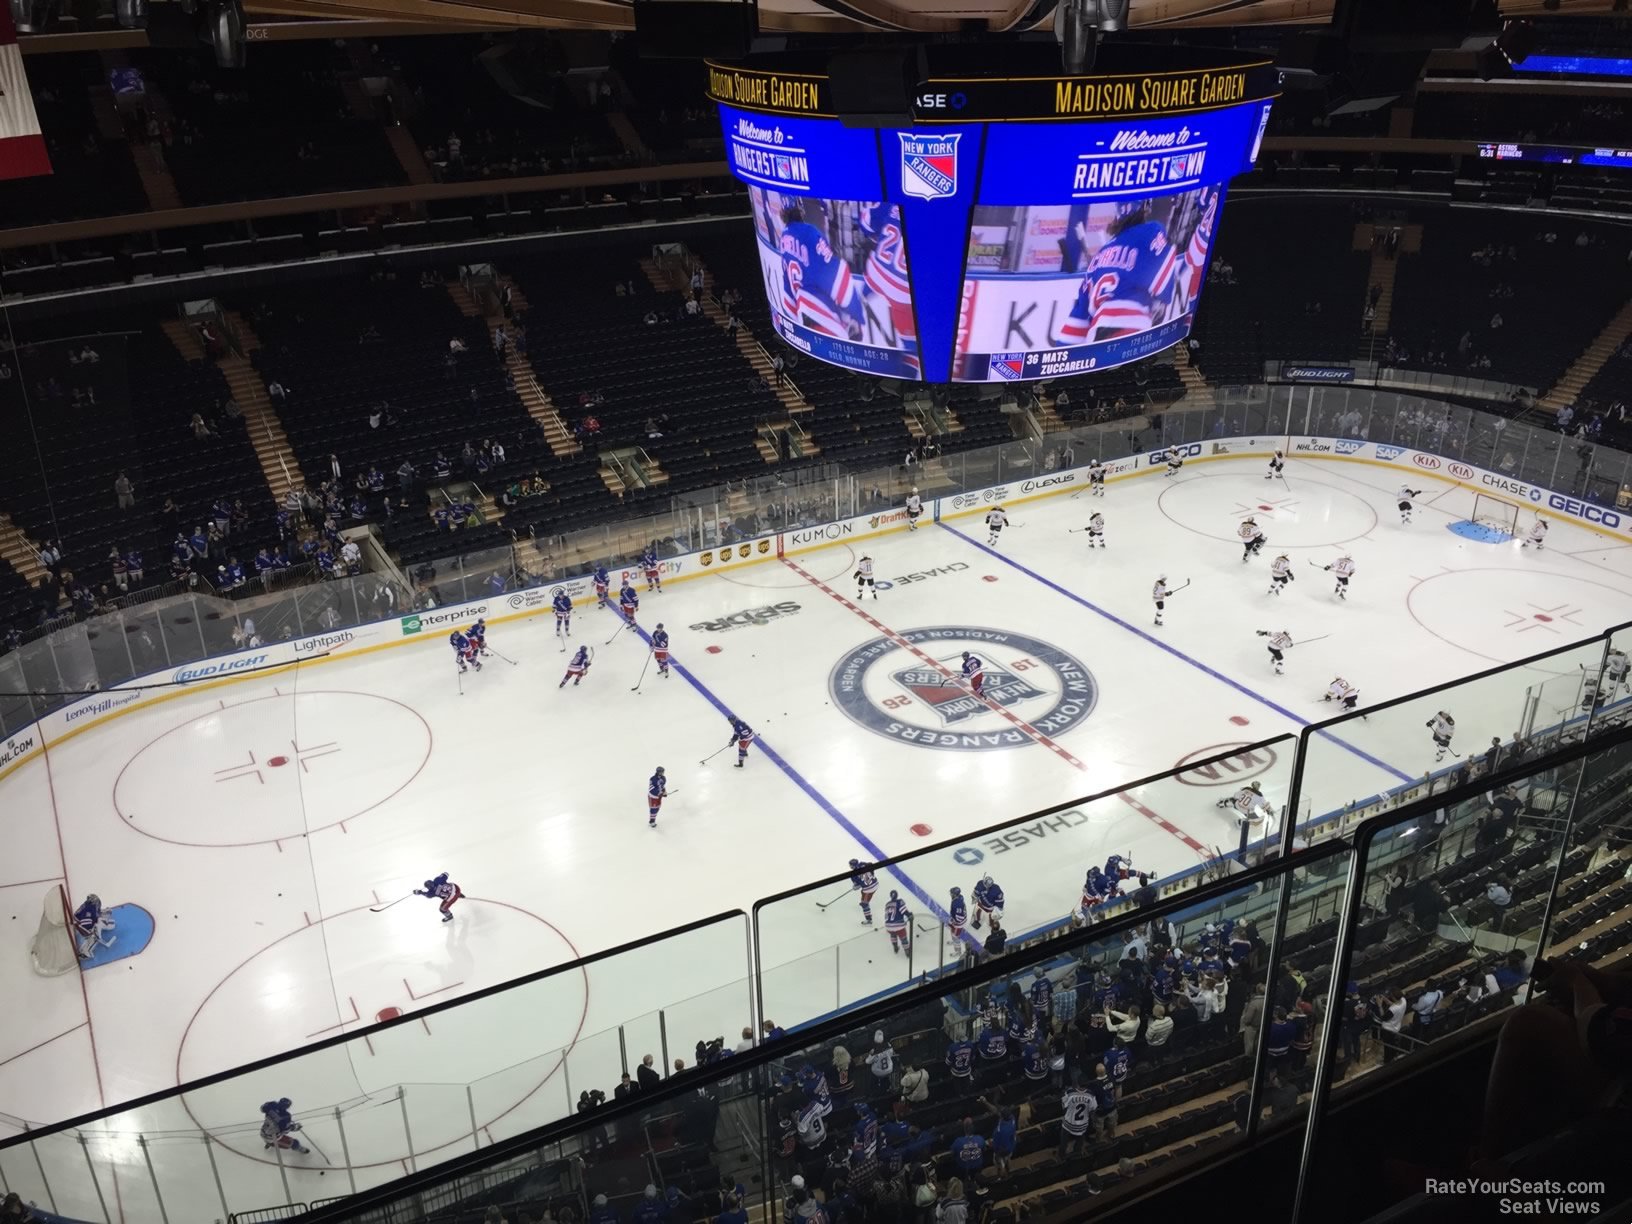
929, 165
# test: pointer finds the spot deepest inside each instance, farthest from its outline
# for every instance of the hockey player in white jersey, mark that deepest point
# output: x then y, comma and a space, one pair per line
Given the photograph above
1537, 537
915, 508
1280, 641
1280, 573
1159, 594
1406, 494
1615, 670
1276, 466
1175, 461
1096, 479
1248, 804
1443, 726
1343, 569
864, 577
1096, 531
1342, 692
996, 520
1252, 538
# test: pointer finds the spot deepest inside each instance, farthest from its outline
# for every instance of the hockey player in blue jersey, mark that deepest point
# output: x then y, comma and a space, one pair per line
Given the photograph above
477, 634
577, 668
278, 1126
650, 567
957, 912
603, 583
442, 890
988, 899
896, 918
657, 789
91, 924
741, 735
660, 650
1124, 280
563, 614
628, 603
886, 274
864, 880
464, 650
817, 288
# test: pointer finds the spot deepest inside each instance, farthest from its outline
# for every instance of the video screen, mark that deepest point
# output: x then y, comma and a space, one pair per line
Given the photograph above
836, 279
1057, 289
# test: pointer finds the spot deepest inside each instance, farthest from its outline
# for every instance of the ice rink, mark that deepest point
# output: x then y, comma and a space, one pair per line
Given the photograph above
258, 822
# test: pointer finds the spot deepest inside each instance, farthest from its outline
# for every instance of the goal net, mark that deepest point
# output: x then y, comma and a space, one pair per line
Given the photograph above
53, 948
1496, 514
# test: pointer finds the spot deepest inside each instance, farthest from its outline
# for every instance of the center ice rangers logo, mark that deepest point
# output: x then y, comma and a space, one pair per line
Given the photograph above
929, 165
898, 693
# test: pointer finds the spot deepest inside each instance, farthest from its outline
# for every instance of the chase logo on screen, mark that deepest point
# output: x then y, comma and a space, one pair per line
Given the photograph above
929, 165
908, 688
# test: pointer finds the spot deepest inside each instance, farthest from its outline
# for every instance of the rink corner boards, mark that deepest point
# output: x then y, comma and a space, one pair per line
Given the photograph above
431, 625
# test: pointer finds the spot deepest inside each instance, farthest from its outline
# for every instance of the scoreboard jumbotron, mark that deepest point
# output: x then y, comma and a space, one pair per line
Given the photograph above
1026, 225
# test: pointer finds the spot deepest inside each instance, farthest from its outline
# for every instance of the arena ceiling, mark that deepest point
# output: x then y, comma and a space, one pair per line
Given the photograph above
824, 16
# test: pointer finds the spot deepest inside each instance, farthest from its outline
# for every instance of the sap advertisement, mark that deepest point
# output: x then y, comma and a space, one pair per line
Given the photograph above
984, 252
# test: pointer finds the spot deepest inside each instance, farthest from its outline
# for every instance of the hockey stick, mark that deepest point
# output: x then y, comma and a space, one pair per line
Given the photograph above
715, 753
643, 668
380, 909
321, 1154
619, 630
824, 904
1177, 589
460, 674
1306, 641
561, 639
1319, 566
497, 655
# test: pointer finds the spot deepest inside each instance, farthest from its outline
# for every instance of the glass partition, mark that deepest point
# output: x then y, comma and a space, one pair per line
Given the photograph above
817, 954
390, 1096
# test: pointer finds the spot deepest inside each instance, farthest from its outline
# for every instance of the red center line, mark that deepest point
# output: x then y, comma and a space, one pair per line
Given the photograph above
1036, 735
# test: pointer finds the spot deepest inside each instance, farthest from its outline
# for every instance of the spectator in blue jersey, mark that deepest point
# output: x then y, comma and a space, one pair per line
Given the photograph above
960, 1061
969, 1149
1512, 972
601, 1213
1003, 1140
731, 1211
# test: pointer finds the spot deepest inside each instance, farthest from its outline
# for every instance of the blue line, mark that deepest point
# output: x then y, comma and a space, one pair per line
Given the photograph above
875, 854
1175, 652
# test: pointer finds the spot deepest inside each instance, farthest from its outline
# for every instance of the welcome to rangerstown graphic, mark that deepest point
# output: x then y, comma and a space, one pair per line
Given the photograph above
894, 693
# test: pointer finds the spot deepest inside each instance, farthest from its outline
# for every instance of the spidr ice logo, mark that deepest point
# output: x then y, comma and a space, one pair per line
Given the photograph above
929, 164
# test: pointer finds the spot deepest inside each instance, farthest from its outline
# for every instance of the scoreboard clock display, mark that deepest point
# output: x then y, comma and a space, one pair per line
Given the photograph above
1026, 226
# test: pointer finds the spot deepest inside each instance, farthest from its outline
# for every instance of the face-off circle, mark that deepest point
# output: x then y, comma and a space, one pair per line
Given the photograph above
1215, 505
1506, 614
272, 768
911, 696
357, 968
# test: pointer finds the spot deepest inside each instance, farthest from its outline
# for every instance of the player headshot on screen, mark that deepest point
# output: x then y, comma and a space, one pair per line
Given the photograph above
1137, 277
838, 268
1071, 276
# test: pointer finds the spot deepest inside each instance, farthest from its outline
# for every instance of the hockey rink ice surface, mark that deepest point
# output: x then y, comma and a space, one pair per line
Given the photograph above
260, 820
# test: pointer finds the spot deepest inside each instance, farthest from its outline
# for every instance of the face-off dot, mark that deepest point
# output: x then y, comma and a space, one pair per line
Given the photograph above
922, 830
712, 649
276, 761
988, 577
1238, 720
